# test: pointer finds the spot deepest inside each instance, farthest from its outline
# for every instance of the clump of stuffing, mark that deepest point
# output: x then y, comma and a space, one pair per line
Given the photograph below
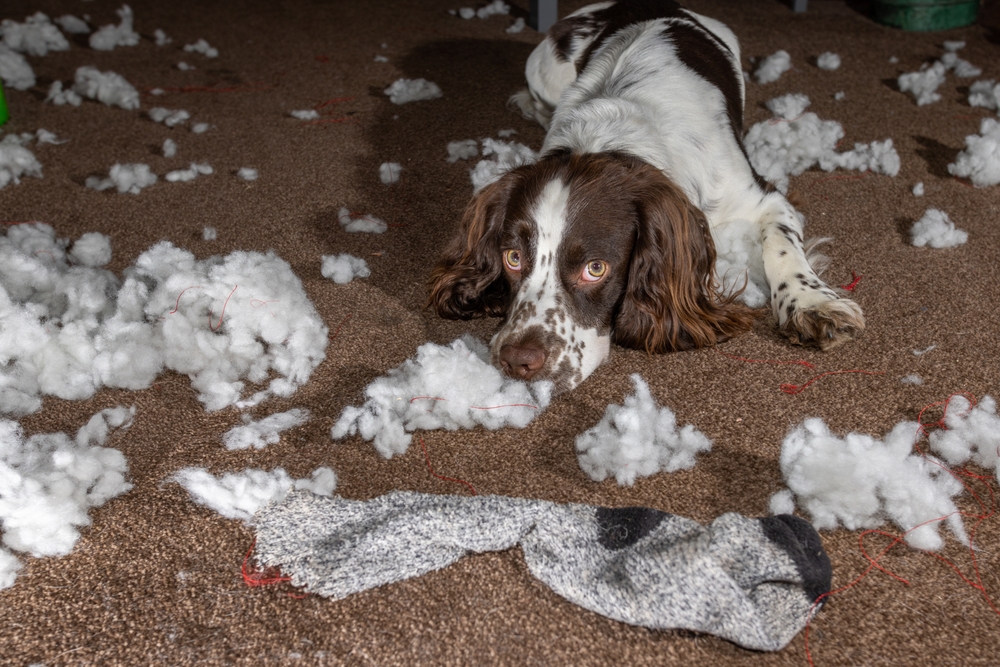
209, 233
517, 26
985, 94
344, 268
45, 137
501, 157
924, 83
49, 482
131, 178
980, 160
184, 67
918, 189
962, 68
189, 174
161, 38
169, 148
828, 61
60, 97
15, 71
239, 495
107, 87
638, 439
110, 36
35, 37
403, 91
839, 96
267, 431
462, 150
380, 58
92, 249
16, 161
492, 9
506, 134
200, 128
388, 172
796, 140
935, 229
202, 47
73, 25
912, 378
304, 114
362, 223
772, 67
247, 173
739, 263
972, 433
860, 482
168, 117
443, 387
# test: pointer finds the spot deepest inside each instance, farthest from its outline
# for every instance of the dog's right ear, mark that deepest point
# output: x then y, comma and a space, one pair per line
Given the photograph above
468, 280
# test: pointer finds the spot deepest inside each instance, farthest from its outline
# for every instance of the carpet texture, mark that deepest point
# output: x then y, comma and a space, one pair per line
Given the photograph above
156, 579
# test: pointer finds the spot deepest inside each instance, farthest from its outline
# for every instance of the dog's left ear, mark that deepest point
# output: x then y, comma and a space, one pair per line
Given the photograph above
671, 300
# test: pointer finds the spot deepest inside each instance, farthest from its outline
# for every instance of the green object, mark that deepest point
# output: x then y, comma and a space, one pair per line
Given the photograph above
3, 106
925, 15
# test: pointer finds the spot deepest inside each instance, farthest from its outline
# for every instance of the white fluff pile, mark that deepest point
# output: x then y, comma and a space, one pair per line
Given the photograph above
980, 160
985, 94
962, 68
772, 67
73, 25
200, 128
184, 67
828, 61
161, 38
169, 148
68, 328
739, 263
267, 431
189, 174
462, 150
935, 229
16, 161
60, 97
918, 189
304, 114
796, 140
247, 173
363, 223
209, 233
48, 482
131, 178
971, 434
110, 36
344, 268
492, 9
638, 439
516, 26
912, 378
412, 90
443, 387
923, 84
238, 495
202, 47
107, 87
169, 117
388, 172
500, 157
35, 37
861, 482
15, 71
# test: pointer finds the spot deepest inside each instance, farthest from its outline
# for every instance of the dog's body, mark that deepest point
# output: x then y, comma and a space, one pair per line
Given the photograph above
609, 236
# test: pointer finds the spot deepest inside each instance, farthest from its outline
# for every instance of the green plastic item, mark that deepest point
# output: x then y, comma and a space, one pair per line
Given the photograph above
925, 15
3, 106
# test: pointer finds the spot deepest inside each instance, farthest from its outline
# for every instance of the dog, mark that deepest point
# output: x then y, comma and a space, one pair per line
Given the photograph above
611, 235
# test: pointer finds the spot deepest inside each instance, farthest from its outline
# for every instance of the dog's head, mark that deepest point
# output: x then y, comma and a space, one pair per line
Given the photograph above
577, 251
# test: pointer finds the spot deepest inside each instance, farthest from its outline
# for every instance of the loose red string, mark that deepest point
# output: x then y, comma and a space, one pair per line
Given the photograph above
788, 387
177, 305
430, 467
260, 577
477, 407
849, 287
341, 326
222, 314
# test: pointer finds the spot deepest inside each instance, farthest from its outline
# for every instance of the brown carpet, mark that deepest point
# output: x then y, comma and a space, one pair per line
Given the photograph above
156, 579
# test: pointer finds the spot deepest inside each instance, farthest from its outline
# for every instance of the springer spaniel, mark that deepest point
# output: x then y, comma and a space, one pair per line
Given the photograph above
609, 235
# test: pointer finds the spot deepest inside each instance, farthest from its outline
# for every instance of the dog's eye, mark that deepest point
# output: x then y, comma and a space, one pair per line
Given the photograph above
594, 271
512, 260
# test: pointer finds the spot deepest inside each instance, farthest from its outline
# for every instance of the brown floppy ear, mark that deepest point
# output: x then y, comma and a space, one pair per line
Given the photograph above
468, 280
670, 301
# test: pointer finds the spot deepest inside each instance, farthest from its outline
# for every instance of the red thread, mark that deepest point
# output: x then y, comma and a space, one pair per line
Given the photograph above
477, 407
178, 304
257, 303
336, 100
342, 323
854, 282
257, 578
430, 467
222, 314
789, 388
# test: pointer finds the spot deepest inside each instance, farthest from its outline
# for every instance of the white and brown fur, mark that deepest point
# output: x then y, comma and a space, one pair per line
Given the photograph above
642, 165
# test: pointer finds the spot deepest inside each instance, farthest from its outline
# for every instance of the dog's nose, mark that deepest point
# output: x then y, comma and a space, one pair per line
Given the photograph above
522, 361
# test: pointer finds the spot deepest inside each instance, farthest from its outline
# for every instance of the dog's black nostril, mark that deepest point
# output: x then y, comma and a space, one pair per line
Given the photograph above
522, 361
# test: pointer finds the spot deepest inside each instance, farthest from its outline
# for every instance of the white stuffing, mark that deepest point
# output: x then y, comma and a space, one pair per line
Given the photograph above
240, 495
979, 161
49, 482
501, 157
110, 36
73, 25
131, 178
972, 433
264, 432
772, 67
918, 189
403, 91
35, 37
506, 134
962, 68
304, 114
462, 150
443, 387
185, 67
43, 136
362, 223
920, 353
739, 263
169, 148
912, 378
388, 172
380, 58
985, 94
189, 174
344, 268
200, 128
161, 37
202, 47
492, 9
168, 117
517, 26
107, 87
60, 97
796, 140
247, 173
16, 161
935, 229
92, 249
859, 482
209, 234
67, 329
953, 44
828, 61
638, 439
15, 71
924, 83
839, 96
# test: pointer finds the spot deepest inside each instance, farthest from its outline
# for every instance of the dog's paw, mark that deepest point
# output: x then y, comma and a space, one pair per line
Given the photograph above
825, 325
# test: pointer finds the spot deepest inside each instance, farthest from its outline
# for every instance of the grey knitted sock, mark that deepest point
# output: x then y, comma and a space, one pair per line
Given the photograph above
751, 581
